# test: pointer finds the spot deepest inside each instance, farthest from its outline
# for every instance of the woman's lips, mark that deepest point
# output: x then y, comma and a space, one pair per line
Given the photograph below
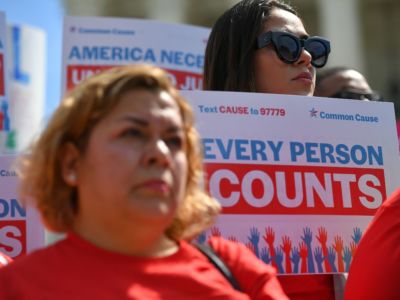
156, 186
304, 76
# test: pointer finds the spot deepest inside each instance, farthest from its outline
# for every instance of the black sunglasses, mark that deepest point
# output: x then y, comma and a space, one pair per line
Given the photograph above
289, 47
357, 95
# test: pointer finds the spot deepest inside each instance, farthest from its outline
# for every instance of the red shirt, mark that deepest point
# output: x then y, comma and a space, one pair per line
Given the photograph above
374, 271
75, 269
308, 287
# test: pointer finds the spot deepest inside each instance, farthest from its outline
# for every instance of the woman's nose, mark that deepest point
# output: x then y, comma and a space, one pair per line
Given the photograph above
305, 58
157, 152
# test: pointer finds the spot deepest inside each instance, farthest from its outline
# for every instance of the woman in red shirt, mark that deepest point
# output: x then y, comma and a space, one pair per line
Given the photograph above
118, 168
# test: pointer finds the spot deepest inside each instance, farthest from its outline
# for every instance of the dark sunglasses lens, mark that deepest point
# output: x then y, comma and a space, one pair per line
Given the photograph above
318, 51
288, 48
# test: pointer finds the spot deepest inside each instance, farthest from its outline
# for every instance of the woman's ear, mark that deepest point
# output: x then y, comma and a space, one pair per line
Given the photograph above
69, 161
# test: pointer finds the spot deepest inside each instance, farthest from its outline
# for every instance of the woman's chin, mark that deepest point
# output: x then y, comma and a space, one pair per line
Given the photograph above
308, 92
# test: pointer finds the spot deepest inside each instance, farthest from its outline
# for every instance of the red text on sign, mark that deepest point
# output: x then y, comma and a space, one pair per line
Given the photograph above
13, 237
280, 189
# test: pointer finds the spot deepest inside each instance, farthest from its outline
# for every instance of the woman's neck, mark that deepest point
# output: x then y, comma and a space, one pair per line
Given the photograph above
148, 242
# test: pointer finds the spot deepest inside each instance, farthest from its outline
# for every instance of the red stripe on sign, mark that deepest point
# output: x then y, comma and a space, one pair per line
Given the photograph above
76, 73
296, 190
13, 237
186, 80
181, 79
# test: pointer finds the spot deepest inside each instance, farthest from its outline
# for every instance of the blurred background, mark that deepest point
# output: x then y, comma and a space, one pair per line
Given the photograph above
363, 33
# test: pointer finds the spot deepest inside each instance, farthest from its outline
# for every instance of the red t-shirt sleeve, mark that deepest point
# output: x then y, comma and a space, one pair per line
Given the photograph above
256, 279
374, 271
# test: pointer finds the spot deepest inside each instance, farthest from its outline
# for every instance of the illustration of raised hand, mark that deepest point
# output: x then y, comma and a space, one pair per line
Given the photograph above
353, 247
303, 255
347, 258
250, 246
307, 238
322, 237
357, 234
295, 259
319, 258
201, 238
233, 238
269, 238
265, 255
279, 260
338, 246
286, 246
332, 258
254, 238
215, 231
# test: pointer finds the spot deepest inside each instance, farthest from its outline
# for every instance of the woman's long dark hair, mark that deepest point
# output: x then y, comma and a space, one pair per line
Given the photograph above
230, 49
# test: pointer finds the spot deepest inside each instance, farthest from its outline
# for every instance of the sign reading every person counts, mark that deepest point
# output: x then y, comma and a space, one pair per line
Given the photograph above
299, 178
92, 44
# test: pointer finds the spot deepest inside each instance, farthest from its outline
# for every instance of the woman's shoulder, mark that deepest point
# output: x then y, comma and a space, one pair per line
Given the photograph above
36, 261
37, 257
392, 201
224, 246
254, 276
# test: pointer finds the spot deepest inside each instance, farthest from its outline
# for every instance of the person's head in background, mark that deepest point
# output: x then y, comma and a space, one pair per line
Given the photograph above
262, 46
344, 82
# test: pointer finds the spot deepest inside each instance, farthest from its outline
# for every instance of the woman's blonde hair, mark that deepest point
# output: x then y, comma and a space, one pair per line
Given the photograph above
73, 122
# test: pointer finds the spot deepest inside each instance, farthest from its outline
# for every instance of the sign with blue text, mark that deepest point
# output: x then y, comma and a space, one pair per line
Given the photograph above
92, 44
26, 84
299, 178
4, 90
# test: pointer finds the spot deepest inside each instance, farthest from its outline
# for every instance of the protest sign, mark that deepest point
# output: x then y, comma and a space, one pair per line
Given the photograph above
26, 58
92, 44
4, 90
2, 55
21, 230
299, 178
21, 103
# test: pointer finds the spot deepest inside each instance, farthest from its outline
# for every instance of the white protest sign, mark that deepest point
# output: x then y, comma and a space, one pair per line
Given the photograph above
5, 126
92, 44
299, 178
21, 230
26, 58
2, 56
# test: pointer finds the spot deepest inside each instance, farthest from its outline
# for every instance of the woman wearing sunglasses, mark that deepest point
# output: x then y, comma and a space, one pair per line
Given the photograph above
262, 46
